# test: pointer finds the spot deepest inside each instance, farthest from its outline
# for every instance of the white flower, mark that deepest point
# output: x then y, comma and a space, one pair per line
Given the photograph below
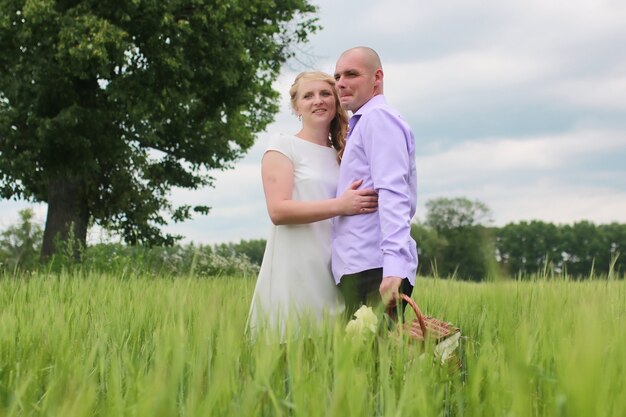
446, 348
364, 320
354, 328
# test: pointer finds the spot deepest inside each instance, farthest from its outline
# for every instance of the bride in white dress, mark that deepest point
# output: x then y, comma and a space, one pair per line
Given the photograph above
299, 175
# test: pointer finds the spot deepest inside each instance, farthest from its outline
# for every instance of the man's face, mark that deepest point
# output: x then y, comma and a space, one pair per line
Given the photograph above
355, 82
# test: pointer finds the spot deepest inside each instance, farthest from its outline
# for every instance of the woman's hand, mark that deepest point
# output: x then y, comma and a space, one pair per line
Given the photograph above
354, 201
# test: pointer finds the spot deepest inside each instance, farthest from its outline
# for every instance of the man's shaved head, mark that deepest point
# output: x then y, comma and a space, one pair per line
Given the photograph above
368, 55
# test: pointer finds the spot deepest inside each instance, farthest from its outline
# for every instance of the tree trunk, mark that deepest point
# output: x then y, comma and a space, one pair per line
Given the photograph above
66, 221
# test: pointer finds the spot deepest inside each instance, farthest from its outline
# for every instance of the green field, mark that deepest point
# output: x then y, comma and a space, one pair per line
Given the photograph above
100, 345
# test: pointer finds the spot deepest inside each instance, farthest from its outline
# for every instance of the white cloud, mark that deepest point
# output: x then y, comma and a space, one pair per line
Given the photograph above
491, 56
556, 202
607, 92
531, 178
547, 199
491, 158
461, 79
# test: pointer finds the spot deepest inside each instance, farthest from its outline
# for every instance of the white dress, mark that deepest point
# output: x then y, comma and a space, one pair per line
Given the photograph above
295, 280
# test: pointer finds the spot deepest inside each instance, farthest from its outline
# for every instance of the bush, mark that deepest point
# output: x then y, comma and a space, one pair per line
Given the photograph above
174, 260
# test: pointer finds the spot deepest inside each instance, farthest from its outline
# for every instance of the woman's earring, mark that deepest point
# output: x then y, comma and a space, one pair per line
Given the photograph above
300, 117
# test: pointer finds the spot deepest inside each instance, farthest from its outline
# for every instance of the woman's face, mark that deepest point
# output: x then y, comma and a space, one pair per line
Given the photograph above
315, 101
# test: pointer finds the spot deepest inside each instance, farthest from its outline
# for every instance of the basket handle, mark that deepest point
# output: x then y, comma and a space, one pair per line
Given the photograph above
418, 313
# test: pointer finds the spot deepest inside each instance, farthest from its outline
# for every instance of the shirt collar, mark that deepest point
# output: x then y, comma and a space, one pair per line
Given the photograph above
373, 102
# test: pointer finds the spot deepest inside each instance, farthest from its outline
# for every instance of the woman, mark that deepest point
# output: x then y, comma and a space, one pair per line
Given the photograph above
299, 175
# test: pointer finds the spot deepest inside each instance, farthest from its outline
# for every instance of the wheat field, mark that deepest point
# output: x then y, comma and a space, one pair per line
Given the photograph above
88, 344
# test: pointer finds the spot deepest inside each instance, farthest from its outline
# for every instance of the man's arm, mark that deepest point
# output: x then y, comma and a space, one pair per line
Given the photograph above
387, 150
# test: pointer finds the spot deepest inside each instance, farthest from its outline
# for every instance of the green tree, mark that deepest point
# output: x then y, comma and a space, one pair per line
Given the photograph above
468, 251
254, 249
450, 213
586, 249
106, 105
430, 248
615, 234
528, 247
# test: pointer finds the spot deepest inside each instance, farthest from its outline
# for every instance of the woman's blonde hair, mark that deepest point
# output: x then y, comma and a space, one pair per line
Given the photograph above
339, 124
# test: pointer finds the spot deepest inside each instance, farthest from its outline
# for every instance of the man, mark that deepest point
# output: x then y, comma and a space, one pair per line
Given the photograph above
373, 255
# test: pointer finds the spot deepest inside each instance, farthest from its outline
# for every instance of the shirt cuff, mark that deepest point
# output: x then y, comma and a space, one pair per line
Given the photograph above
394, 267
398, 267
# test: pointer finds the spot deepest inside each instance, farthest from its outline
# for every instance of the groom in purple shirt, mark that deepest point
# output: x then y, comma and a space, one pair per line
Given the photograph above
374, 257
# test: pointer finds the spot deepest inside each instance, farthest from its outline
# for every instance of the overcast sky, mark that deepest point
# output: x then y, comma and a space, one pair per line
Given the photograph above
519, 104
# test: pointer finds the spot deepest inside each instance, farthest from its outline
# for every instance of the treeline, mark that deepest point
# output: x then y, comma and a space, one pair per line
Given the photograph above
455, 240
522, 249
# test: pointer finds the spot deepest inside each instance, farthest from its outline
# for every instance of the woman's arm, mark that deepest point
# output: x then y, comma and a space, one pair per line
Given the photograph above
277, 174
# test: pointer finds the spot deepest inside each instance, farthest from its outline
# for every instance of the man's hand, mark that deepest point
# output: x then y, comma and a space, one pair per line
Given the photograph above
389, 290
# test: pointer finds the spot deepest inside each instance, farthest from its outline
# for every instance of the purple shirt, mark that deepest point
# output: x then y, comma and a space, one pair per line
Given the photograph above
380, 149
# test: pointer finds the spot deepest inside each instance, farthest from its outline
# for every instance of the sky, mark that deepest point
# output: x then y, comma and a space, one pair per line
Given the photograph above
518, 104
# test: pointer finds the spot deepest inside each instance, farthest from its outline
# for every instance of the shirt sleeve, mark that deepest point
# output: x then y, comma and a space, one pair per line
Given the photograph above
386, 144
282, 144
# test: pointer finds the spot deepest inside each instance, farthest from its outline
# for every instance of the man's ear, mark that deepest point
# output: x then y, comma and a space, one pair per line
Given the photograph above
378, 76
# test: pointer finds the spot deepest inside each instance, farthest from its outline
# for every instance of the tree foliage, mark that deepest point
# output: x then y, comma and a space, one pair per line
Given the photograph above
580, 249
459, 235
451, 213
529, 247
252, 249
430, 248
105, 106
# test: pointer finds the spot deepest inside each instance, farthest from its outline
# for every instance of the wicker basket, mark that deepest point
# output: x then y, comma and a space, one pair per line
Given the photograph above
424, 327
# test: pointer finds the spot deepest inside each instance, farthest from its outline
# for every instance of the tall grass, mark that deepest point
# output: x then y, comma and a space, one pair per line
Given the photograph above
100, 345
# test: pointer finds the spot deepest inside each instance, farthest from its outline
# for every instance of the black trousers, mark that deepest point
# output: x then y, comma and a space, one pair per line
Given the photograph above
363, 288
